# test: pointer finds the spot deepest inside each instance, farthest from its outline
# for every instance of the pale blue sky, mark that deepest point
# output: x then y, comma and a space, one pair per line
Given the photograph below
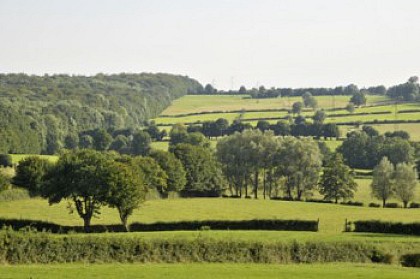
281, 43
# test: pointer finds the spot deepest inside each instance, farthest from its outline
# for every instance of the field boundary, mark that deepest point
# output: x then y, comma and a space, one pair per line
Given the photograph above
256, 224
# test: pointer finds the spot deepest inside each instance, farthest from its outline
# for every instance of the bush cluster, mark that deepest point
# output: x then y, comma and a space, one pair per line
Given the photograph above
372, 204
376, 226
415, 205
353, 203
42, 248
392, 205
410, 260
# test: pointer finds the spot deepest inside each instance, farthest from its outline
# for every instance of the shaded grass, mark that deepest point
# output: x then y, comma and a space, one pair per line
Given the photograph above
211, 271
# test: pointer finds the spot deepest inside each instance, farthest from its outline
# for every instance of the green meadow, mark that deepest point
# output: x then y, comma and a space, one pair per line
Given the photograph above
331, 216
209, 103
211, 271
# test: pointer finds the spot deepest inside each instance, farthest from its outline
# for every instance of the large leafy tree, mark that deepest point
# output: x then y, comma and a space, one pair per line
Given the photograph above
174, 169
127, 189
358, 98
337, 181
319, 117
154, 176
204, 176
80, 176
405, 182
309, 100
382, 185
141, 143
30, 174
300, 162
297, 107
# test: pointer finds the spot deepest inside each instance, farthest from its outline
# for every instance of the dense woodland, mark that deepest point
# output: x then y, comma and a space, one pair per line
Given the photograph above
42, 114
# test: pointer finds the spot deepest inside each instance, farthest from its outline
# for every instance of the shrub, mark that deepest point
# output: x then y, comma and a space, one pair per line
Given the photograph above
282, 198
381, 257
41, 248
410, 260
318, 201
272, 225
353, 203
372, 204
6, 160
415, 205
393, 205
386, 227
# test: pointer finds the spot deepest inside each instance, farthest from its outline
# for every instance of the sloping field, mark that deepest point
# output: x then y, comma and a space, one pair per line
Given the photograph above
209, 103
331, 216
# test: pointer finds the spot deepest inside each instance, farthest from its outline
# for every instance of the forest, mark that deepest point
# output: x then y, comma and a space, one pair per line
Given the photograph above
39, 114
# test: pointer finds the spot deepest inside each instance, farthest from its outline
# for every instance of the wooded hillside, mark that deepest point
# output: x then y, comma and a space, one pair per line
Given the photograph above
39, 113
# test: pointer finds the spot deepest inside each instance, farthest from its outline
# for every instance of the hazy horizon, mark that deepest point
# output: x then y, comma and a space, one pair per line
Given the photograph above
227, 43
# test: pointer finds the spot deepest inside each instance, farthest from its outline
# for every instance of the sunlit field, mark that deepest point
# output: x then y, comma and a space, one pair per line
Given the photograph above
211, 271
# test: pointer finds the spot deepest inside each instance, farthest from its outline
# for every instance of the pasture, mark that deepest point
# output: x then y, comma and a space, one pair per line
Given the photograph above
211, 271
213, 107
331, 216
210, 103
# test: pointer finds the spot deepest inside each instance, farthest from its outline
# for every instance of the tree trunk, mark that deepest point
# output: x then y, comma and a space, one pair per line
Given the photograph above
124, 219
405, 204
383, 203
240, 188
336, 199
264, 186
86, 223
246, 189
256, 185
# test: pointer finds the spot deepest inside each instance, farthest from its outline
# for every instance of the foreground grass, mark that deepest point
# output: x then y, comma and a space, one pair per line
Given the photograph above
211, 271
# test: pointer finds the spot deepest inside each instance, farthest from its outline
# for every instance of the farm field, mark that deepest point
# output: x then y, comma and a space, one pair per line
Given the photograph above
219, 270
331, 216
209, 103
412, 128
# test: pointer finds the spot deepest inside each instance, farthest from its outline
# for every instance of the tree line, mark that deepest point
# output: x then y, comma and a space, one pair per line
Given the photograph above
408, 91
243, 165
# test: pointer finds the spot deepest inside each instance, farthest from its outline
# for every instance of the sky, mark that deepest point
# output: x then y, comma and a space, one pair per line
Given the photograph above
228, 43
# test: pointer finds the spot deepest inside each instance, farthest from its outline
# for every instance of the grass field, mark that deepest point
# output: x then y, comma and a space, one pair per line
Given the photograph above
18, 157
211, 271
331, 216
208, 103
413, 129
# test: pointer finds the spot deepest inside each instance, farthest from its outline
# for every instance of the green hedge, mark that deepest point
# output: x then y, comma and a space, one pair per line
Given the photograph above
43, 248
386, 227
410, 260
271, 225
